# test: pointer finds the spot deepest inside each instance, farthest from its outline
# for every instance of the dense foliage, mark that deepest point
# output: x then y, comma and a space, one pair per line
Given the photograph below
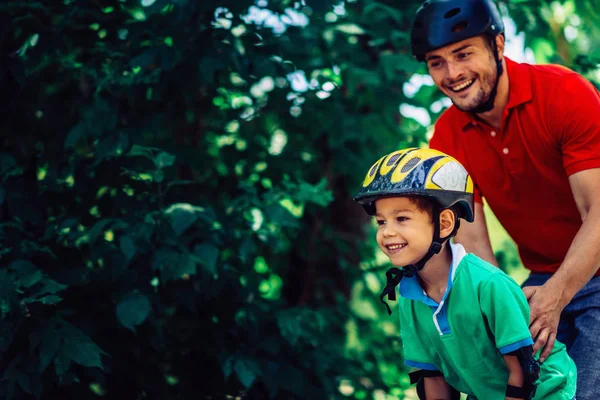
175, 200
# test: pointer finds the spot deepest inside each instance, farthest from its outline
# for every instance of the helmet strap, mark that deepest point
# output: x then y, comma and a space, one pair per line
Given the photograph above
488, 105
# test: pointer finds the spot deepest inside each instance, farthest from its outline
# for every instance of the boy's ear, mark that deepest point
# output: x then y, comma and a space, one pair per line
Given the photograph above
447, 222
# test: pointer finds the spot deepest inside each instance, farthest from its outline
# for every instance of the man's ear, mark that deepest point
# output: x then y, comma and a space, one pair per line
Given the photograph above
447, 222
500, 41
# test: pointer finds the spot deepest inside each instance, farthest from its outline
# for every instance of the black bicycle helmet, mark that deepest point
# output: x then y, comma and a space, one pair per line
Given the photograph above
439, 23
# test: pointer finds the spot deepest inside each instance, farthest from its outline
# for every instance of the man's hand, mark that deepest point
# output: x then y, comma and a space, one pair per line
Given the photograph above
545, 303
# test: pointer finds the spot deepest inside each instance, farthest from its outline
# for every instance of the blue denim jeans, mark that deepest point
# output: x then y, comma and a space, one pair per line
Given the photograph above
579, 330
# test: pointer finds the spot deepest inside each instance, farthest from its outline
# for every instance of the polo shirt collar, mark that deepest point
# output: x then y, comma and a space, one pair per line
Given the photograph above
519, 91
410, 287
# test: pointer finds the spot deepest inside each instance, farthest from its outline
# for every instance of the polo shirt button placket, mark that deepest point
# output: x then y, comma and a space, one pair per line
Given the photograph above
493, 133
505, 150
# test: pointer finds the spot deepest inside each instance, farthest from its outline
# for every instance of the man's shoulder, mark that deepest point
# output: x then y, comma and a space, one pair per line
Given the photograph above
546, 73
556, 70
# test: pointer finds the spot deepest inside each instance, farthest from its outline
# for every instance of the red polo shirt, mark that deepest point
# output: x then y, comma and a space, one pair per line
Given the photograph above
550, 130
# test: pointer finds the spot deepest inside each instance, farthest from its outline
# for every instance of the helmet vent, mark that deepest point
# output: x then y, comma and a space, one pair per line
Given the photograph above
392, 160
410, 164
373, 170
461, 26
452, 13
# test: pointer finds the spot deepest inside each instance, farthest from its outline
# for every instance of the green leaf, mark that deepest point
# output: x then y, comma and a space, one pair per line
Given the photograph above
8, 166
394, 63
385, 10
76, 133
172, 264
27, 274
86, 354
305, 192
246, 370
76, 347
110, 146
184, 265
142, 151
51, 299
208, 255
50, 286
158, 176
145, 58
98, 229
62, 362
128, 247
49, 348
246, 248
350, 29
358, 77
164, 160
182, 216
227, 366
283, 215
24, 382
133, 310
290, 326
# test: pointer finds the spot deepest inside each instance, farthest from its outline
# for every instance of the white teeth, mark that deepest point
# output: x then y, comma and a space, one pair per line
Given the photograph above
395, 246
462, 85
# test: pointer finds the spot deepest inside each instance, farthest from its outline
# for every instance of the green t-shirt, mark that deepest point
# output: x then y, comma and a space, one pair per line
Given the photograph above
482, 315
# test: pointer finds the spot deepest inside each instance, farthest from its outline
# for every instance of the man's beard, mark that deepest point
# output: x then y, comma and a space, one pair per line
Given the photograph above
485, 101
481, 97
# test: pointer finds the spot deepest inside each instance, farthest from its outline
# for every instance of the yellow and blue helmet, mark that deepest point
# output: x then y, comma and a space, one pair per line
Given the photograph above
419, 172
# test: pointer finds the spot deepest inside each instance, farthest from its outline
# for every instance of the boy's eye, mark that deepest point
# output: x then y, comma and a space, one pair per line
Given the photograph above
380, 222
401, 219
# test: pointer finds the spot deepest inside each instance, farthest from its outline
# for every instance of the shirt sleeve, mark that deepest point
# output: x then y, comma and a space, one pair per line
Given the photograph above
442, 141
575, 124
505, 308
416, 354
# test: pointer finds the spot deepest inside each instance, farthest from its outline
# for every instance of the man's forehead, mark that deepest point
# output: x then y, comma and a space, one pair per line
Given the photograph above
451, 48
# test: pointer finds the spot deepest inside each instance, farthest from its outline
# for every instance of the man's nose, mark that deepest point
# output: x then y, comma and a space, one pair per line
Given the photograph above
455, 70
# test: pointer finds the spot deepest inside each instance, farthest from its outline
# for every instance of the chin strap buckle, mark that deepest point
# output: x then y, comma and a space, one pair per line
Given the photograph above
436, 247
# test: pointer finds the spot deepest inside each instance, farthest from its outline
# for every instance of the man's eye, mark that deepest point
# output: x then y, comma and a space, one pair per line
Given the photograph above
434, 64
462, 56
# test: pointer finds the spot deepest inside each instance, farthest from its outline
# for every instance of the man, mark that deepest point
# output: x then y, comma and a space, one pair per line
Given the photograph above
530, 138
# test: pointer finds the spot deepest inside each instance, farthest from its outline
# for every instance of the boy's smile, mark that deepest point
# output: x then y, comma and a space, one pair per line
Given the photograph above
405, 232
394, 248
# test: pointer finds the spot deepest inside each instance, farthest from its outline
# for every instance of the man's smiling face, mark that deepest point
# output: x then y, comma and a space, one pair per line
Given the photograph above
464, 71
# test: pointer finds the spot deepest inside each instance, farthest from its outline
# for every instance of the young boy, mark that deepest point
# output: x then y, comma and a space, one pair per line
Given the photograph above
464, 323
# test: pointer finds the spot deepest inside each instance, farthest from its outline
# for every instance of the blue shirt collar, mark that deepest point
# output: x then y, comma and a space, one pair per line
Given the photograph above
411, 289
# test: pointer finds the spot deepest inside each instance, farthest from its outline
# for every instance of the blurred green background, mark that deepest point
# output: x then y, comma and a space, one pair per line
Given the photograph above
176, 178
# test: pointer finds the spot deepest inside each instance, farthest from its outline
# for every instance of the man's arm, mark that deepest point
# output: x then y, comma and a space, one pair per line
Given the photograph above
579, 266
474, 236
437, 388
